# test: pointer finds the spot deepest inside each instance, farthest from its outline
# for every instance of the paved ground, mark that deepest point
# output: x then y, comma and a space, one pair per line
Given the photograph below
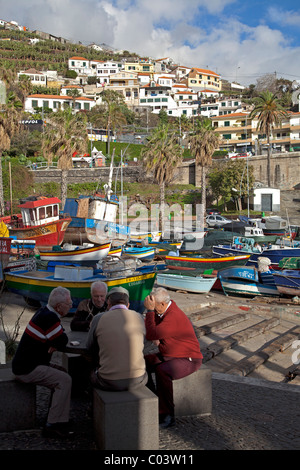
248, 413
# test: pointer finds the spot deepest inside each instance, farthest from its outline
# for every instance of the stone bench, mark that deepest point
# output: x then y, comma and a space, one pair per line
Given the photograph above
192, 394
125, 420
17, 403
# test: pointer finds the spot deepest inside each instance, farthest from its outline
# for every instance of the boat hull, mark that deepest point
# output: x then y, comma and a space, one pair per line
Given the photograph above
201, 264
143, 254
48, 234
275, 255
37, 285
93, 253
195, 284
287, 281
246, 281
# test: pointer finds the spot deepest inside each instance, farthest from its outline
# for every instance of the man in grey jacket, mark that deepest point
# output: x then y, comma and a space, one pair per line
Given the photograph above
116, 340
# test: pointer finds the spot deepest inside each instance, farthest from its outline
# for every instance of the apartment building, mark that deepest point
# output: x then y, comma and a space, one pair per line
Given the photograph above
200, 79
127, 84
239, 133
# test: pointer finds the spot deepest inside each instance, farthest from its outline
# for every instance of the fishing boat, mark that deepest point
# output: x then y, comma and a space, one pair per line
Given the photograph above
5, 251
115, 251
247, 281
187, 282
204, 263
247, 245
35, 286
94, 218
39, 220
84, 254
287, 281
142, 253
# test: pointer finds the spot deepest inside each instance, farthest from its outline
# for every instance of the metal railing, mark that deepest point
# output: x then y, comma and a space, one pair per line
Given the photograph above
41, 165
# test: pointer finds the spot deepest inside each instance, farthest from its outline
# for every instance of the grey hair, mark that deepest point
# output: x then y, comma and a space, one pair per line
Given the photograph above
96, 284
58, 295
161, 294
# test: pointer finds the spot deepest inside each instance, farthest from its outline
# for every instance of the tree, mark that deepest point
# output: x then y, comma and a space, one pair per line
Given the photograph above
9, 121
114, 115
204, 142
65, 134
270, 114
161, 155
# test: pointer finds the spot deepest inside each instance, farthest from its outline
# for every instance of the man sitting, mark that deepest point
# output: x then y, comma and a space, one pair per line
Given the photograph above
179, 351
88, 308
116, 341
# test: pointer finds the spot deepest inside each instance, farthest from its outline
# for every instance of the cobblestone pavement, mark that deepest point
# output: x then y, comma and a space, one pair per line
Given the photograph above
248, 414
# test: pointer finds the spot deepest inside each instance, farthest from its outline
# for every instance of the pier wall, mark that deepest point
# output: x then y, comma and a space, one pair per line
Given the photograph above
285, 172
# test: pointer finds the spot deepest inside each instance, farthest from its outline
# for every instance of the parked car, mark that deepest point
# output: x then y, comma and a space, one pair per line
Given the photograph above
217, 220
213, 212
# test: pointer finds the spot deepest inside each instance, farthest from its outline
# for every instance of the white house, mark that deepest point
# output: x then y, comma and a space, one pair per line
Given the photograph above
36, 77
56, 102
80, 65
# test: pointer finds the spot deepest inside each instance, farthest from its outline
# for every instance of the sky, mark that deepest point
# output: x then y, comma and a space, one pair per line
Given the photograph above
240, 40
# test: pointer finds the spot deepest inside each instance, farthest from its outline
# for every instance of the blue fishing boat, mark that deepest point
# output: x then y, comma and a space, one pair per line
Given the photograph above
142, 253
247, 245
187, 282
247, 281
287, 281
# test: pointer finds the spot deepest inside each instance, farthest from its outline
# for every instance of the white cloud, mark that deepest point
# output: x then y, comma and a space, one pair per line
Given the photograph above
194, 33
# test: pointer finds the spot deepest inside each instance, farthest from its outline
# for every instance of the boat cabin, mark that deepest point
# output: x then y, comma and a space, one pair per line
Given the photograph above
40, 212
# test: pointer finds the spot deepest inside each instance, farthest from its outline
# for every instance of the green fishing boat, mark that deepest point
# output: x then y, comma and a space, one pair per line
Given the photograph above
35, 286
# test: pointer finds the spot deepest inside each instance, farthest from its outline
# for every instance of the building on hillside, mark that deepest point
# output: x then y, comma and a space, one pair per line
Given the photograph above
240, 134
80, 65
56, 102
127, 84
143, 65
66, 90
36, 77
200, 79
104, 70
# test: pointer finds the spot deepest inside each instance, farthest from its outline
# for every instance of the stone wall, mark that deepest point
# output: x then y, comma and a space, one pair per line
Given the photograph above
285, 172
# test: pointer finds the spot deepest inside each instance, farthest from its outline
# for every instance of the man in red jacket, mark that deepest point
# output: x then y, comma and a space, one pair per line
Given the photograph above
179, 351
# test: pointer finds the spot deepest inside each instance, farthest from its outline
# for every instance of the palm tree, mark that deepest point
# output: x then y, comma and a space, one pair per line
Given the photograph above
65, 134
114, 115
9, 122
270, 114
161, 155
203, 142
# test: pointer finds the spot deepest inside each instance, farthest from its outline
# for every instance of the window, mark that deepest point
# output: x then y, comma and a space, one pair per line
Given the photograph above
142, 100
42, 213
73, 63
227, 136
49, 211
34, 103
86, 106
55, 210
226, 123
45, 104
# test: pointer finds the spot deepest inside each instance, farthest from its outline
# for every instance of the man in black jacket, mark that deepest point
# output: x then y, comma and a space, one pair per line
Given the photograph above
43, 335
88, 308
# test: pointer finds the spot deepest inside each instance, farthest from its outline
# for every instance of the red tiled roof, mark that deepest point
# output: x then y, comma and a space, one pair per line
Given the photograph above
78, 58
59, 97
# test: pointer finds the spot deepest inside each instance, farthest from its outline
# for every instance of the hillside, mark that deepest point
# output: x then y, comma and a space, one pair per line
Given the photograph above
17, 53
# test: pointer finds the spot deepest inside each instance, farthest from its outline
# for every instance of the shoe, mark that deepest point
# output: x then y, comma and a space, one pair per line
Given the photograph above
167, 421
57, 431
